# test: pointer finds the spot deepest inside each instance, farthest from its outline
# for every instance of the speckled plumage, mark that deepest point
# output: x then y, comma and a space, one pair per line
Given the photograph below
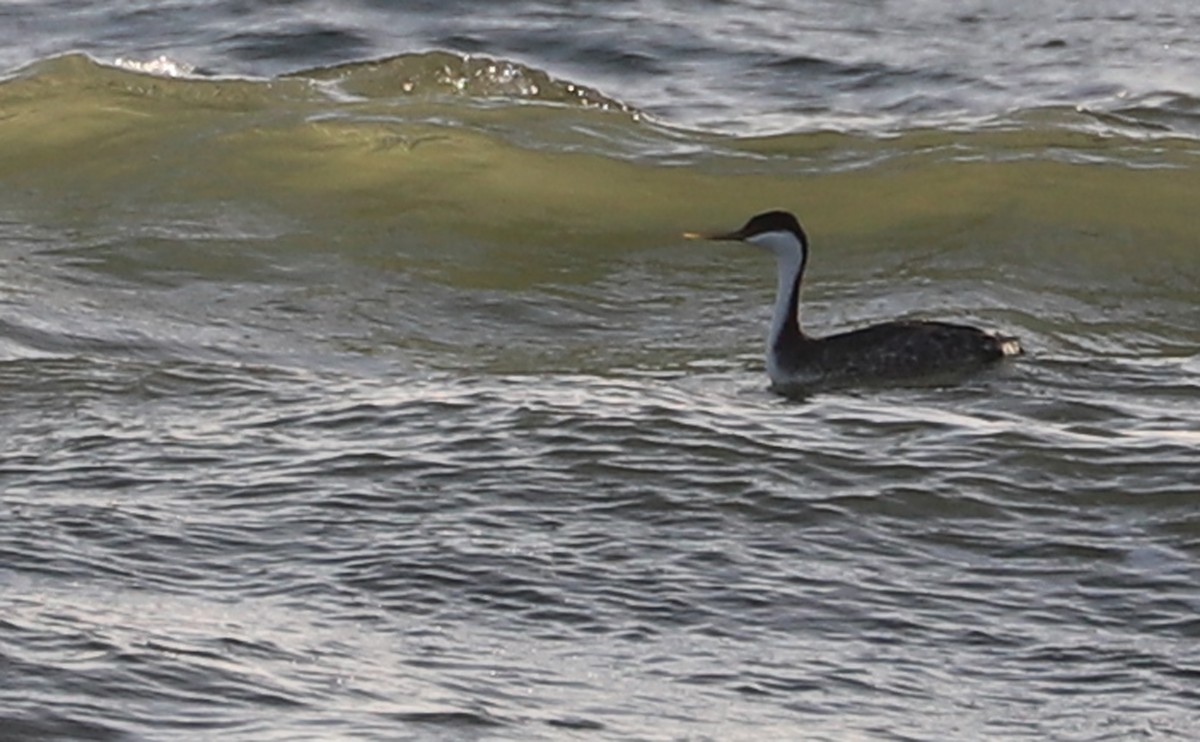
893, 350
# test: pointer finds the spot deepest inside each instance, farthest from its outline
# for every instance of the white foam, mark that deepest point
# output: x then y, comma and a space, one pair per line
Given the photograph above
162, 66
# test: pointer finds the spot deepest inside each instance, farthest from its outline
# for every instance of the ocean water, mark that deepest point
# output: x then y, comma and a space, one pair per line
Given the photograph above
358, 384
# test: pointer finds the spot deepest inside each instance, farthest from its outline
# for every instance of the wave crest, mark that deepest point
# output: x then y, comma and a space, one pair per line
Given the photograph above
442, 73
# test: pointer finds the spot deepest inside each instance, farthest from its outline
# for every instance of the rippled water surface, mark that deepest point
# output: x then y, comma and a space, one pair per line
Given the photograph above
358, 383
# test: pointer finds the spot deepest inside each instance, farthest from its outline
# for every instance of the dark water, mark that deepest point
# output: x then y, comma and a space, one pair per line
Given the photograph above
358, 385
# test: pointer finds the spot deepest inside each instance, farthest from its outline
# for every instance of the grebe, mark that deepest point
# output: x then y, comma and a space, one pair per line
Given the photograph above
892, 351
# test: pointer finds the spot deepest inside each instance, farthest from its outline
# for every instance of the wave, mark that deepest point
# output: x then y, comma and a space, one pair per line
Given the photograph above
440, 73
492, 150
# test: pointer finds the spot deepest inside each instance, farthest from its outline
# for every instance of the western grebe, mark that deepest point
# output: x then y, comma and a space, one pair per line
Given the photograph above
901, 350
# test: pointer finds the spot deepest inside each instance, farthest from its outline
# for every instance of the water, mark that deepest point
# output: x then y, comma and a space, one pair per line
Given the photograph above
358, 384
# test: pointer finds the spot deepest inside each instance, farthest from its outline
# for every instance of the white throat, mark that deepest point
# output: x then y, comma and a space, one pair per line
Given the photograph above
789, 259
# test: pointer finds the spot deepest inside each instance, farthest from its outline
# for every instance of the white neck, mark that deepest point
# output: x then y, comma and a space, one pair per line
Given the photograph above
789, 258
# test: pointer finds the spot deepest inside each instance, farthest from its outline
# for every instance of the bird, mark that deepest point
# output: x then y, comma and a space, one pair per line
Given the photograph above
898, 351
